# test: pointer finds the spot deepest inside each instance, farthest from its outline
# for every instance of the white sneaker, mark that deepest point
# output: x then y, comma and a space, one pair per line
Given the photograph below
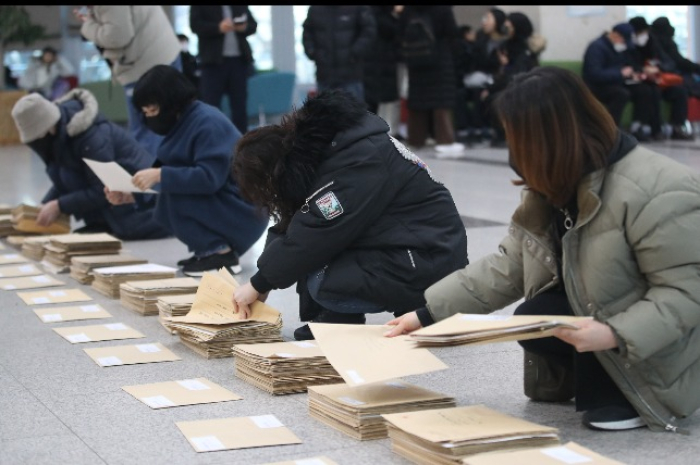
446, 151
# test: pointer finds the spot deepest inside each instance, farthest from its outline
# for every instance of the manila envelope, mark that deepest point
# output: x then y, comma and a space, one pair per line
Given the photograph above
16, 271
131, 355
236, 433
10, 258
183, 392
569, 453
106, 332
320, 460
54, 297
29, 282
361, 354
82, 312
287, 349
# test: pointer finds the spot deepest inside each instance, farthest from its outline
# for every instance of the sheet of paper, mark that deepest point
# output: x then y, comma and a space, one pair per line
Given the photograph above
182, 392
236, 433
131, 354
462, 323
29, 282
373, 357
81, 312
134, 269
568, 454
10, 258
104, 332
54, 297
114, 176
16, 271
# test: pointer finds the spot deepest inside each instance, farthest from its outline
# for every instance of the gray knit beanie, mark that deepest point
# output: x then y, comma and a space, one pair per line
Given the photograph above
34, 116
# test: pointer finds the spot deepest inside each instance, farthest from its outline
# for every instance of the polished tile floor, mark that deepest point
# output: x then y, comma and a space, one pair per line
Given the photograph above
58, 407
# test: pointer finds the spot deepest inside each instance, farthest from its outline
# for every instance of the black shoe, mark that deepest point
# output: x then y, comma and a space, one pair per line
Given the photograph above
680, 134
185, 261
303, 333
212, 263
612, 418
641, 136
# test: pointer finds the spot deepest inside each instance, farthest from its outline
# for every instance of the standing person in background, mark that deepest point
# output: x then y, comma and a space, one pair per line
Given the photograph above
428, 35
133, 38
189, 61
337, 38
381, 80
46, 74
225, 56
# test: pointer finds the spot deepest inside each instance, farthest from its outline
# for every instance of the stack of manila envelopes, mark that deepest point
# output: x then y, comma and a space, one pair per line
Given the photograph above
107, 280
24, 220
33, 247
60, 249
6, 228
462, 328
142, 296
173, 305
81, 266
448, 435
283, 367
181, 392
357, 411
212, 327
569, 453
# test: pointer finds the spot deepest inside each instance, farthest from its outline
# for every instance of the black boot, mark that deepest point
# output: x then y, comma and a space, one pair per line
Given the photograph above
303, 333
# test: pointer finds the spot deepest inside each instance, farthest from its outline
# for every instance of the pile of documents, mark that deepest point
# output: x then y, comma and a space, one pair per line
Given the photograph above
464, 328
62, 248
357, 411
6, 227
283, 367
33, 247
449, 435
5, 209
212, 327
569, 453
24, 220
142, 296
173, 305
81, 266
107, 280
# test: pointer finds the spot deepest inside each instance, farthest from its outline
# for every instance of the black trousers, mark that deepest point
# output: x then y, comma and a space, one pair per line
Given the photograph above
593, 386
229, 78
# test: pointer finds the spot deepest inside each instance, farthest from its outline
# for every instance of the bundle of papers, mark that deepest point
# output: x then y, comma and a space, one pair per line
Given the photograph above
5, 209
182, 392
569, 453
81, 266
211, 328
283, 367
464, 328
6, 227
142, 296
173, 305
62, 248
357, 411
33, 247
24, 220
107, 280
448, 435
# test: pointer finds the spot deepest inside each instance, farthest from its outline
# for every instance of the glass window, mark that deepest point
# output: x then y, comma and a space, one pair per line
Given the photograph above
306, 69
676, 14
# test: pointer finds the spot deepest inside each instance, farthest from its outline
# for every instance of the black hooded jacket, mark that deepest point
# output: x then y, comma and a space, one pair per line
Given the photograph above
374, 217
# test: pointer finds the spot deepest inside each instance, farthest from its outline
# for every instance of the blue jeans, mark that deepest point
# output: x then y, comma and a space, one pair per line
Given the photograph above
349, 305
144, 136
355, 88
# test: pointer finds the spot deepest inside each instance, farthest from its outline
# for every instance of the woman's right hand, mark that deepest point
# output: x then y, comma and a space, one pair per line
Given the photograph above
118, 198
403, 325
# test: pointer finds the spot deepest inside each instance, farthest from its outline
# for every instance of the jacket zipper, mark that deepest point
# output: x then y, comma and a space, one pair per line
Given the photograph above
305, 207
568, 221
410, 255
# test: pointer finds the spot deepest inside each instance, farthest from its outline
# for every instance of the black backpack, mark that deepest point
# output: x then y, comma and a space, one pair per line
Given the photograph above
418, 45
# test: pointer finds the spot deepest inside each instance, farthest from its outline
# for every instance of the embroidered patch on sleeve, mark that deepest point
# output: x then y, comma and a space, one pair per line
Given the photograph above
329, 205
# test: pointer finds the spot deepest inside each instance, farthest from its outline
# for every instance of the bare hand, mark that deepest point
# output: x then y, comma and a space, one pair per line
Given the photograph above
226, 25
627, 71
243, 297
118, 198
145, 179
403, 325
592, 336
48, 214
240, 27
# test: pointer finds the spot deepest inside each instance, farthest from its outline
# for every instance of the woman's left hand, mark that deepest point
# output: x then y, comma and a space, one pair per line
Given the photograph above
145, 179
592, 336
243, 297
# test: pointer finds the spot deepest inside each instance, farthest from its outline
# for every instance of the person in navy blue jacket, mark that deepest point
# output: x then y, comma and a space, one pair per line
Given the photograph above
198, 200
64, 133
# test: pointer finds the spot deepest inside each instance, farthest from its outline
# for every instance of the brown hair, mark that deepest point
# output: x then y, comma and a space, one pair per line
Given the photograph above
556, 129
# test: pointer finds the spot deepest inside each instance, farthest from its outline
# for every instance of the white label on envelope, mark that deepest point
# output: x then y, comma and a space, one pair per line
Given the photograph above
193, 384
9, 287
27, 268
355, 376
485, 317
41, 279
57, 293
41, 300
109, 361
565, 455
285, 355
52, 317
351, 401
157, 401
90, 308
148, 347
10, 256
304, 344
116, 326
207, 443
266, 421
82, 337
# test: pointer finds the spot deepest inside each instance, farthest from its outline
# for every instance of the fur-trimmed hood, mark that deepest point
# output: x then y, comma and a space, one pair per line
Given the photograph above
81, 120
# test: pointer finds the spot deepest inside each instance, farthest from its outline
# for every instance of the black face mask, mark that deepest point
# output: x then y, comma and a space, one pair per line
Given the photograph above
43, 147
162, 123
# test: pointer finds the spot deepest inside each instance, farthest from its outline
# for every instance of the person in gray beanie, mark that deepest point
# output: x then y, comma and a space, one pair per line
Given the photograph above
65, 132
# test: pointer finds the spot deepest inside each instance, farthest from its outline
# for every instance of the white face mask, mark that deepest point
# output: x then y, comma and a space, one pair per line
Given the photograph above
641, 39
620, 47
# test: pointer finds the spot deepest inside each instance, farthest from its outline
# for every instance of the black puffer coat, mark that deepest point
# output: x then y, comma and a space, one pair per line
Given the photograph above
337, 38
382, 59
